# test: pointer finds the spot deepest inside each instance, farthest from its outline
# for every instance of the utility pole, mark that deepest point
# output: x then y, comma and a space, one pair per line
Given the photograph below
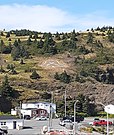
50, 110
52, 94
19, 109
65, 103
50, 115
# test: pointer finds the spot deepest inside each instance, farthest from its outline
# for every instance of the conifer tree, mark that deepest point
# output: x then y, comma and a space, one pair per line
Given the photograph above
6, 90
64, 77
34, 75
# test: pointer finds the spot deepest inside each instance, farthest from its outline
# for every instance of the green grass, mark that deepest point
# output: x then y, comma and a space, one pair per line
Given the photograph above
20, 68
47, 74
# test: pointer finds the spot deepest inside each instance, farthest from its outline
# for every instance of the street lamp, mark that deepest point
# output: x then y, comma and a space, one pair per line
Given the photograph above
75, 116
107, 117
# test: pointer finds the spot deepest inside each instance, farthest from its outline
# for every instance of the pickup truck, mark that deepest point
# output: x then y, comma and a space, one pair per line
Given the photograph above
101, 122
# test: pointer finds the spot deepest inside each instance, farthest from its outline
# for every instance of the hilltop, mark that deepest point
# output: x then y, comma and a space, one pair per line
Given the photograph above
78, 62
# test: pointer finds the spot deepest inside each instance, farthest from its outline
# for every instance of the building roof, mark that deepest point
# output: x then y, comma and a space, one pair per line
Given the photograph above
7, 117
38, 103
29, 108
32, 109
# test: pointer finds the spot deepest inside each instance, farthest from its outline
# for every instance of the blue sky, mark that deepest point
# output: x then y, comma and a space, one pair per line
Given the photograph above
56, 15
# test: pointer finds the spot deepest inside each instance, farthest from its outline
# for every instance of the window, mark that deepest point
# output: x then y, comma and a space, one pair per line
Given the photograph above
42, 112
34, 112
3, 123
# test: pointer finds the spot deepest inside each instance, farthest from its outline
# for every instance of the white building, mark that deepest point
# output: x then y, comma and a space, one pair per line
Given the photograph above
40, 105
11, 122
28, 111
14, 112
35, 109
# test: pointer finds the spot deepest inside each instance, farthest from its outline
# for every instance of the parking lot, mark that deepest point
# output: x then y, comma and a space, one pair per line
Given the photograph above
34, 127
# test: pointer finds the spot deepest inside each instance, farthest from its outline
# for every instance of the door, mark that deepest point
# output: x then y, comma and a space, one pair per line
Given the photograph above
14, 124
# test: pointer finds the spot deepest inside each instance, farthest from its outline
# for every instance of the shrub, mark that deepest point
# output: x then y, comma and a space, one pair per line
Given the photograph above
34, 75
46, 95
63, 77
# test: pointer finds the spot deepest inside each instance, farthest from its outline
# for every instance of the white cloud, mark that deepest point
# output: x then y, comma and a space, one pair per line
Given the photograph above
41, 18
44, 18
95, 19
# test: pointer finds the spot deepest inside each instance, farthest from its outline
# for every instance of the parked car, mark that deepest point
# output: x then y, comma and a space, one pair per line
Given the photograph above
41, 118
64, 122
3, 131
78, 118
95, 120
55, 132
27, 117
101, 122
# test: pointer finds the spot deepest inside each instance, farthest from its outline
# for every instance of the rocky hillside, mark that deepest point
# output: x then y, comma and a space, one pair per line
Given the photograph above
86, 57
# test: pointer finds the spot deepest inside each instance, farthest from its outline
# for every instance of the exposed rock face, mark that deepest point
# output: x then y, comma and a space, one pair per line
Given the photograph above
100, 92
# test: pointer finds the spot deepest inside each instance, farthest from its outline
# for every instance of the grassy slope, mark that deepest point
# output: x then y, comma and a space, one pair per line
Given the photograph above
34, 62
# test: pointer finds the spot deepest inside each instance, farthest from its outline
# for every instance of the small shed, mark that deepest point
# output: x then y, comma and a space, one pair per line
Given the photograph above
11, 122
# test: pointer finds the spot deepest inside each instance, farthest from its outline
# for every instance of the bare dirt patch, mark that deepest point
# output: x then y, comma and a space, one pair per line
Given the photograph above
54, 64
90, 55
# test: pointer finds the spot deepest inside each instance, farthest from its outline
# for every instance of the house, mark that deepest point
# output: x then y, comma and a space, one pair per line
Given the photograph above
11, 122
32, 112
40, 105
35, 109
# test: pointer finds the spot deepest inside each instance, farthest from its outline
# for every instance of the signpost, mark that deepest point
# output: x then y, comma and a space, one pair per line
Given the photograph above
109, 109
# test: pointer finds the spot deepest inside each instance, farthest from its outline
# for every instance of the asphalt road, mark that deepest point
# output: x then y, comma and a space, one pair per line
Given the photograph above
34, 127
